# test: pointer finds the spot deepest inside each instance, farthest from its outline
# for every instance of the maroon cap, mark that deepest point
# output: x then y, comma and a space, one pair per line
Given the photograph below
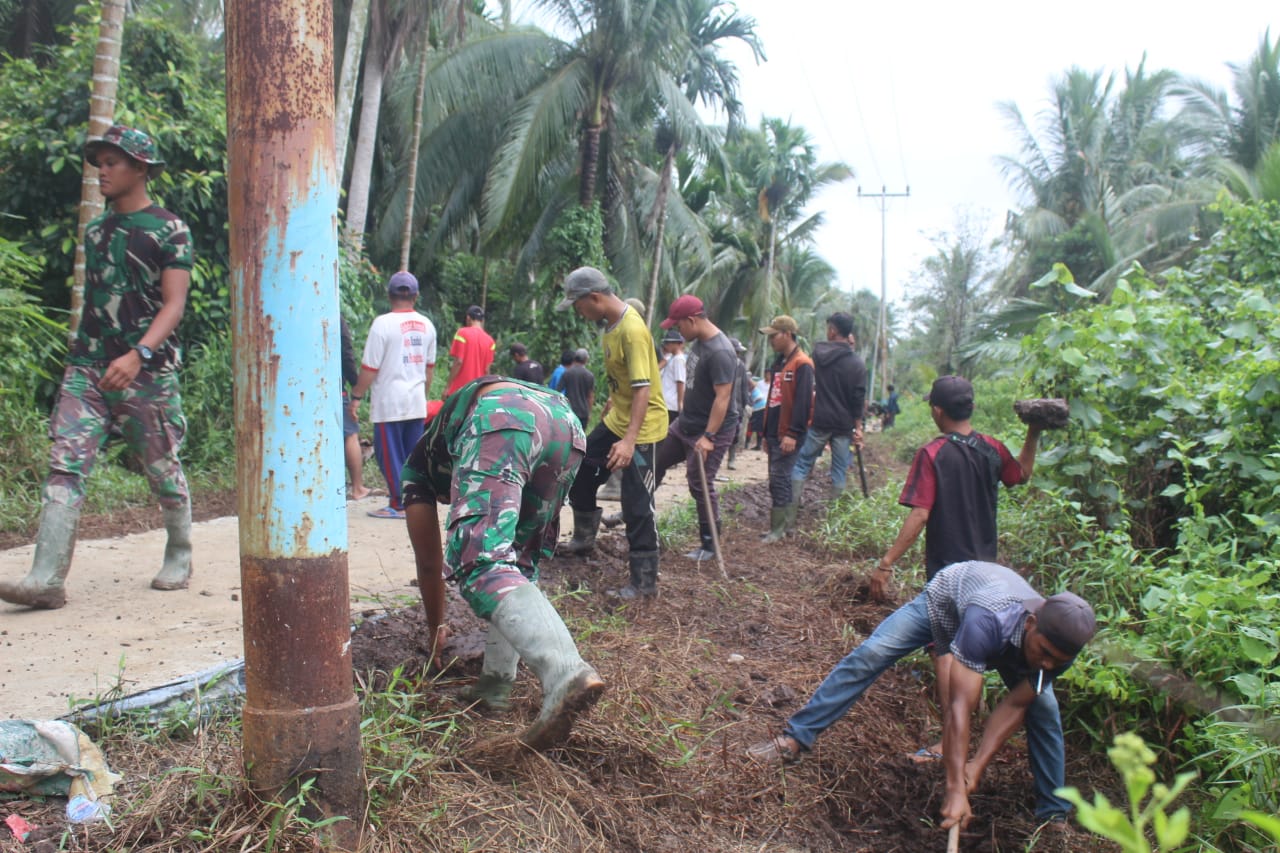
682, 309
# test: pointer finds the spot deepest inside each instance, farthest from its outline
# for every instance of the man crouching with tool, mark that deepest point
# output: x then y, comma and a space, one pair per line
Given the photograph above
502, 454
981, 616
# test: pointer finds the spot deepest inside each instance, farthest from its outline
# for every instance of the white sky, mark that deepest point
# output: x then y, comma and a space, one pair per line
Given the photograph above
905, 92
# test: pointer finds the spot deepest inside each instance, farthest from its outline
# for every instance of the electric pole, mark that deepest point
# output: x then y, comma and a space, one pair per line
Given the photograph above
881, 354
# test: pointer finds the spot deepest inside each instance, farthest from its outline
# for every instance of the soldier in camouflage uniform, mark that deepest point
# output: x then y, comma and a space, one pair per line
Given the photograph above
121, 374
502, 454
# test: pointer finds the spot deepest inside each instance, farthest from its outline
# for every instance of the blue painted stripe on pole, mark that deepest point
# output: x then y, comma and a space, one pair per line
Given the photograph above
303, 425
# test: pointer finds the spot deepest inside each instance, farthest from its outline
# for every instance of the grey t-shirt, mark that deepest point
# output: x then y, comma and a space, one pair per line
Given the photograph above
577, 384
710, 363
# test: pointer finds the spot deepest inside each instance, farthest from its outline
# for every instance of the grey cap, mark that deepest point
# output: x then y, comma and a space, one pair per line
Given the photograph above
1065, 619
579, 283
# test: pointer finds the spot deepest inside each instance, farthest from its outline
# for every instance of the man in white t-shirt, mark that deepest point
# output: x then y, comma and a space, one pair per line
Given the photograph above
399, 359
672, 369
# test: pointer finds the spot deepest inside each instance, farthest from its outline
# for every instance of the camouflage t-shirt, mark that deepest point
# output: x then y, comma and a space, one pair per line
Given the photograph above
125, 255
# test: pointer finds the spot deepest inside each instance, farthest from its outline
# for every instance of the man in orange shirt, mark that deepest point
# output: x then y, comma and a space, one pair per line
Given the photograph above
471, 353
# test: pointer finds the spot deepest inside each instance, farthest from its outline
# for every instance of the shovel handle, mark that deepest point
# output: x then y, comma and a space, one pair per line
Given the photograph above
953, 839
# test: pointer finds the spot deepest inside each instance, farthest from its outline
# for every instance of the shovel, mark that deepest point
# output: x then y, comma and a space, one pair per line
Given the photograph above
862, 472
953, 839
711, 519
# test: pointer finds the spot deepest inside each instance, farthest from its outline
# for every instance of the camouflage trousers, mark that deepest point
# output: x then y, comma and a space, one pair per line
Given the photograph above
513, 463
147, 416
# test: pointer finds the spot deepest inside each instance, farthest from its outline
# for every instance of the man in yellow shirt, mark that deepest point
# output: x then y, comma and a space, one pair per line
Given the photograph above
634, 421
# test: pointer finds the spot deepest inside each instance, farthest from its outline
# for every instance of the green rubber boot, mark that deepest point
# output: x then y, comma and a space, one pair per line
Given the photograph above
777, 524
498, 675
570, 686
789, 513
43, 588
175, 573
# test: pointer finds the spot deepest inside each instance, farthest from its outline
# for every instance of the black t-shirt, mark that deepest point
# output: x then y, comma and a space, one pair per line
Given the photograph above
578, 384
530, 371
710, 363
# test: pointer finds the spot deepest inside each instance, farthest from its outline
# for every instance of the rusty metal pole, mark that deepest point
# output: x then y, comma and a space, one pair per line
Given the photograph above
301, 720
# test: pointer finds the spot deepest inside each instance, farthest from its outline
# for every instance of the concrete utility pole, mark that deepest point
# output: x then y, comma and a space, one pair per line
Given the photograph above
882, 341
301, 720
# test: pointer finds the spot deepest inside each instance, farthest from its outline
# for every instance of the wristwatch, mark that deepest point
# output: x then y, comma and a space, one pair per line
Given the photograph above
144, 351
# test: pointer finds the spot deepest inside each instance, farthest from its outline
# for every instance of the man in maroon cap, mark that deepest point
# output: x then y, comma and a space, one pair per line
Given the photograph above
708, 421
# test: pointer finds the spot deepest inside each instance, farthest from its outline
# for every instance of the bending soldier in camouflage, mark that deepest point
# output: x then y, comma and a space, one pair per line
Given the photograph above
502, 454
121, 375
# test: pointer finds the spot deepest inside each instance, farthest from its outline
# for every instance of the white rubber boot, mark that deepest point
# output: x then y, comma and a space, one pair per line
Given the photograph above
570, 686
498, 675
176, 571
43, 587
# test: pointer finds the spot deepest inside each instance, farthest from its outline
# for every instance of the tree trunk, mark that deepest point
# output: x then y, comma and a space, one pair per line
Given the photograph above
660, 213
362, 168
590, 163
102, 108
406, 236
357, 26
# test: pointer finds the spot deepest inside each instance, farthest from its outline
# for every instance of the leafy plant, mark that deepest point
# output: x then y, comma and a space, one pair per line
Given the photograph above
1133, 760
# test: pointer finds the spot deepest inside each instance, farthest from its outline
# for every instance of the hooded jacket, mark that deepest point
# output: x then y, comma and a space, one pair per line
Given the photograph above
840, 383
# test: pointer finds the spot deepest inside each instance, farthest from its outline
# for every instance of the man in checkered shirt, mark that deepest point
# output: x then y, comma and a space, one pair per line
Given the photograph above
980, 616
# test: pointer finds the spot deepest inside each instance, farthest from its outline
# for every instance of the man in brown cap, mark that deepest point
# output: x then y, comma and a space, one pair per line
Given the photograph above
122, 370
980, 616
786, 420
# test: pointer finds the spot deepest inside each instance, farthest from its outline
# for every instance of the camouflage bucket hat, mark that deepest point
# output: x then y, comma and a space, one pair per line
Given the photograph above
131, 141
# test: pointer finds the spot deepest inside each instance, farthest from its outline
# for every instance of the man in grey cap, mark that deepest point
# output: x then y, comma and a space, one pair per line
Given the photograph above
980, 616
626, 438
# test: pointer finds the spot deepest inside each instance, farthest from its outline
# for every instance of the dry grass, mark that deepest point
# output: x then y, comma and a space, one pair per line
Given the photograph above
658, 766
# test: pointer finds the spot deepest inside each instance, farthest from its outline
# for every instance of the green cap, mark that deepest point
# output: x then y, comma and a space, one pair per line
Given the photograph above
131, 141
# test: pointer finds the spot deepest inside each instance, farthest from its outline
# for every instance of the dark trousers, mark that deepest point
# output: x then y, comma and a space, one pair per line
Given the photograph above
638, 484
678, 447
780, 467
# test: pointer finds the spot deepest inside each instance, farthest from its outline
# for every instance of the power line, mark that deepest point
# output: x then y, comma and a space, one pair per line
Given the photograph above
897, 126
871, 152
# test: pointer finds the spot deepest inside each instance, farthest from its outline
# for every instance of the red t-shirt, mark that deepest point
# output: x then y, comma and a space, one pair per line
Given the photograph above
473, 348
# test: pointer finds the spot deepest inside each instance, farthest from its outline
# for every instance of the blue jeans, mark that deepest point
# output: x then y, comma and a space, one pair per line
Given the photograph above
903, 632
815, 441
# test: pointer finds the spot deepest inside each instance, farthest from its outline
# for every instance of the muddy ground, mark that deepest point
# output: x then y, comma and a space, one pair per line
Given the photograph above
695, 677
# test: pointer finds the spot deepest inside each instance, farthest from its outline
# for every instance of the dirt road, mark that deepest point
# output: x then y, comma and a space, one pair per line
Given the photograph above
116, 632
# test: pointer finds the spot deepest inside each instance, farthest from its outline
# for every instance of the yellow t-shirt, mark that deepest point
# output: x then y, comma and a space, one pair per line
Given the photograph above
631, 362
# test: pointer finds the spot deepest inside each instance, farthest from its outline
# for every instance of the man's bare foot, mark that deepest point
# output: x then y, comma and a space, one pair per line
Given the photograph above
360, 494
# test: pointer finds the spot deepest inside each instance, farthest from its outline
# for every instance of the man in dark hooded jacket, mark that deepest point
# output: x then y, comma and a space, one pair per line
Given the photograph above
840, 387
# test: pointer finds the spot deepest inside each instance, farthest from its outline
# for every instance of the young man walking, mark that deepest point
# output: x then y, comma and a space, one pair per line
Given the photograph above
122, 370
708, 421
626, 437
399, 359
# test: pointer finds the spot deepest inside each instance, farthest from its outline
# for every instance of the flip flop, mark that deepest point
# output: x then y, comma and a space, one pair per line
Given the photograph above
385, 512
924, 755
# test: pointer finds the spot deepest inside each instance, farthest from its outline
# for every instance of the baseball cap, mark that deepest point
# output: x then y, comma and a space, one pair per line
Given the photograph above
682, 309
672, 337
737, 346
581, 355
475, 312
403, 284
950, 392
518, 349
1065, 619
579, 283
132, 142
782, 323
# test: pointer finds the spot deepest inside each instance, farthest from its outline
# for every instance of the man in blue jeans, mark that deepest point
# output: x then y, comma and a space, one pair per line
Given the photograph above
839, 395
981, 616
